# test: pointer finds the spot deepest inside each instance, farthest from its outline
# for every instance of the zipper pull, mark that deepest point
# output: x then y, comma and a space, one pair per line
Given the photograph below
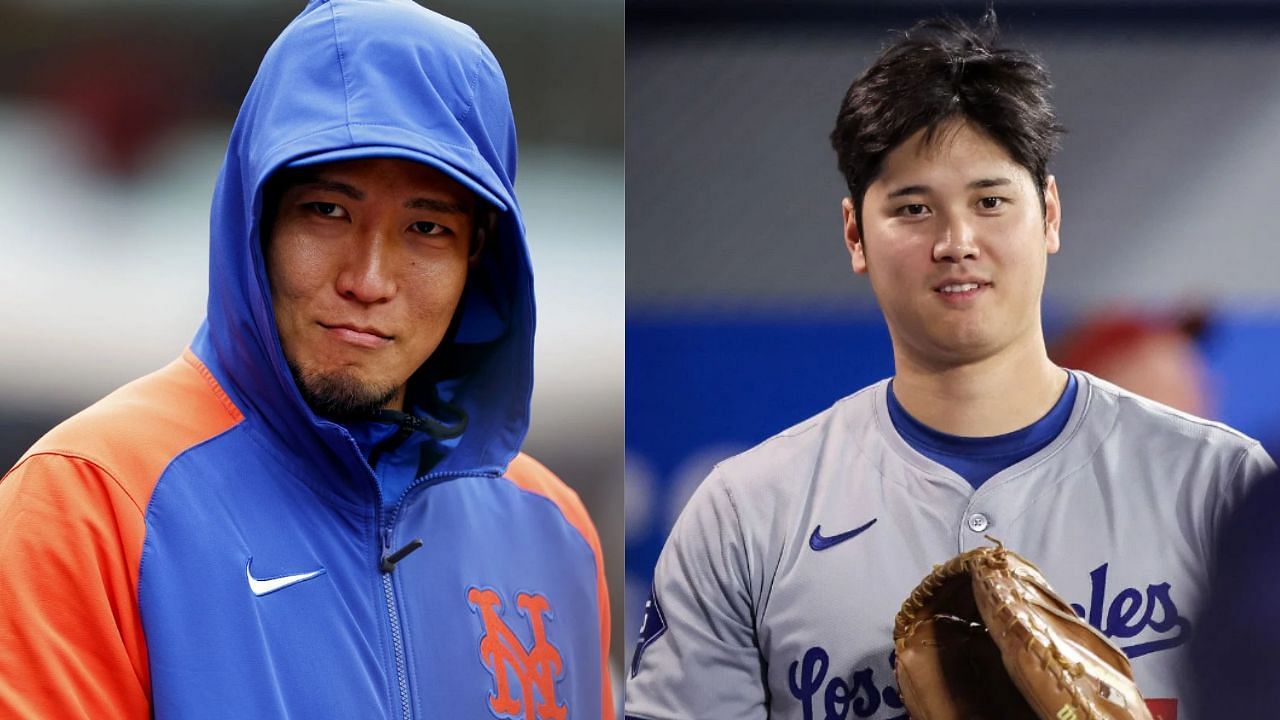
389, 560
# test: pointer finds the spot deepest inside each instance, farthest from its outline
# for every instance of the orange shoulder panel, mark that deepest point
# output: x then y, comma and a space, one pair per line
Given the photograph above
72, 527
533, 476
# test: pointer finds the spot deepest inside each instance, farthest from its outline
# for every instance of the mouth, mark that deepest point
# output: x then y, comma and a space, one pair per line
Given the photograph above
961, 289
358, 335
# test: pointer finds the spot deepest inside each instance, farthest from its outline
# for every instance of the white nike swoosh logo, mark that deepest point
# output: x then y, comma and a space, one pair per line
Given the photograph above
270, 585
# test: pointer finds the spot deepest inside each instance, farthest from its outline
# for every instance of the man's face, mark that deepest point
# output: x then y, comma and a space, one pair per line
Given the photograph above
367, 261
956, 246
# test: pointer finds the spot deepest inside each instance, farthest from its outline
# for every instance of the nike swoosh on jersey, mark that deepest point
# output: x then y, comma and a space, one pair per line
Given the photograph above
270, 585
818, 541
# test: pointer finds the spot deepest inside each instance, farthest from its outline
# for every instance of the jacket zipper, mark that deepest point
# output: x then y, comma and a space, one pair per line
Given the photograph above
386, 568
397, 637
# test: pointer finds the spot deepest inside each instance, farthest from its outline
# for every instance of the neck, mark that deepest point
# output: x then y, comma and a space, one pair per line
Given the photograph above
396, 402
992, 396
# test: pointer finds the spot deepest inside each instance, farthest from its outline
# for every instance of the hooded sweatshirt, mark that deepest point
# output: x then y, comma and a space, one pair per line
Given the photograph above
200, 544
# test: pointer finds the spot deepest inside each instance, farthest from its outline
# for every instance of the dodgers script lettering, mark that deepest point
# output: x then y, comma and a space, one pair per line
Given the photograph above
860, 694
1131, 612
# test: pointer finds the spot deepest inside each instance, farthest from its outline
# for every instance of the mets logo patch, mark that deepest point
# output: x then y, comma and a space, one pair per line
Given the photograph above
524, 677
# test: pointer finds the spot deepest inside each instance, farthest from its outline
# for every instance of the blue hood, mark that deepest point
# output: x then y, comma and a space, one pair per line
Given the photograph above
354, 79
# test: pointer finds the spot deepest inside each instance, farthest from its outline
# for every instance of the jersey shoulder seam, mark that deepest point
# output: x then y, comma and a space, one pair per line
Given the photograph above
228, 405
560, 511
804, 426
96, 464
742, 540
1153, 407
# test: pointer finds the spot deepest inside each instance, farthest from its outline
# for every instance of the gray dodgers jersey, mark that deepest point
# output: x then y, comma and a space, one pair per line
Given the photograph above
757, 613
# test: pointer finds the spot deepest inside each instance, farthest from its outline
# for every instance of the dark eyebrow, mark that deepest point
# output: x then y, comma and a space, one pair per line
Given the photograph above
989, 183
331, 186
909, 190
975, 185
441, 206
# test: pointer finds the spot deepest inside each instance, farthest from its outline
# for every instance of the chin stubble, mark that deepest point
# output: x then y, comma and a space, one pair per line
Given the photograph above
339, 396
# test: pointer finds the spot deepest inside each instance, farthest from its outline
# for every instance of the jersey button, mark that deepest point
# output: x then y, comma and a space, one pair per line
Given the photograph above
978, 522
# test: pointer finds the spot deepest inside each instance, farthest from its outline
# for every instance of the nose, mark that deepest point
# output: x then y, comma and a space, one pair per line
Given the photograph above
366, 275
956, 241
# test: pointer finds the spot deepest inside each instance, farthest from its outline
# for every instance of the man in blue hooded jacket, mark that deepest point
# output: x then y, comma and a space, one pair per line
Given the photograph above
320, 510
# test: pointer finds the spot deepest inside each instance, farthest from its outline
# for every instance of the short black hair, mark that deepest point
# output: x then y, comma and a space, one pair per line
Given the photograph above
939, 70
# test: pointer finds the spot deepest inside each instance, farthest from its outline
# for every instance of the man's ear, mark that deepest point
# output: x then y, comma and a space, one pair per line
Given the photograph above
1052, 215
853, 238
486, 226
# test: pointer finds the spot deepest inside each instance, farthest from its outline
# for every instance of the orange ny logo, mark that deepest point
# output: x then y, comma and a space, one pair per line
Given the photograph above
535, 670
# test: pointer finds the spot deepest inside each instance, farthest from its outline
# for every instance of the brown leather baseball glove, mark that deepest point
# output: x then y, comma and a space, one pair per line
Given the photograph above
984, 637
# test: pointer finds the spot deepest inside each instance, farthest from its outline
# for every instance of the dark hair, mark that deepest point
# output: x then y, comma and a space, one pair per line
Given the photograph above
939, 70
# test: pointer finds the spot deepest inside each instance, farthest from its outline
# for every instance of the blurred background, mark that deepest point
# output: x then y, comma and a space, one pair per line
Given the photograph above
743, 316
113, 122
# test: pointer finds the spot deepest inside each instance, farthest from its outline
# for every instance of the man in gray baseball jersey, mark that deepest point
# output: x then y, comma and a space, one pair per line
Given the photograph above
777, 589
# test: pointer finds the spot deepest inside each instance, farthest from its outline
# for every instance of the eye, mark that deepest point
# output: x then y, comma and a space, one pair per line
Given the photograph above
326, 209
991, 203
426, 227
914, 210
